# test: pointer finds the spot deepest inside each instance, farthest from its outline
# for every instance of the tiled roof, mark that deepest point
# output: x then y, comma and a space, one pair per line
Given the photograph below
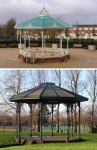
43, 21
48, 93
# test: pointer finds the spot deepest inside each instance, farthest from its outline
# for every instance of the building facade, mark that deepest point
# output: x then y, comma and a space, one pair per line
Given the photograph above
83, 32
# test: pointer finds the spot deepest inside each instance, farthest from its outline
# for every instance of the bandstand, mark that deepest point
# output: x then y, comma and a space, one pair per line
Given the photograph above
49, 93
43, 23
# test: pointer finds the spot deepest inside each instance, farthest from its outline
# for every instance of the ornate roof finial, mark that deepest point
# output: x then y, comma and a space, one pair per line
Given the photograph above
44, 12
43, 5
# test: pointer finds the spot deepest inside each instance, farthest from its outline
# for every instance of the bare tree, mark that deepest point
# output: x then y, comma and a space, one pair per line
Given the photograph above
12, 84
41, 76
91, 88
38, 77
58, 75
73, 82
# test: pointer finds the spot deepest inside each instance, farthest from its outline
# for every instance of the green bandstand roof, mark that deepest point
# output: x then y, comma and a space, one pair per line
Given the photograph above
43, 21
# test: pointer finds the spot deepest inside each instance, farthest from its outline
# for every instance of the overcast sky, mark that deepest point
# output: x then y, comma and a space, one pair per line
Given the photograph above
71, 11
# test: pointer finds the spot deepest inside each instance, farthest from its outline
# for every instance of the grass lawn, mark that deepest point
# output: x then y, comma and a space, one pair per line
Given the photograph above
7, 137
89, 144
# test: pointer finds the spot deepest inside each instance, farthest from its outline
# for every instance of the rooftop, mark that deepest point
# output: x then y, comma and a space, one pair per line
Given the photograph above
85, 25
43, 21
48, 93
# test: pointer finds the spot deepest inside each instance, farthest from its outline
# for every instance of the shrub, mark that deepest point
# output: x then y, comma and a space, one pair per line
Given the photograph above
14, 43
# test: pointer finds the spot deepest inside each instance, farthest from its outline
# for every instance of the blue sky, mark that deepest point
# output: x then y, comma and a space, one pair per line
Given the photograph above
83, 11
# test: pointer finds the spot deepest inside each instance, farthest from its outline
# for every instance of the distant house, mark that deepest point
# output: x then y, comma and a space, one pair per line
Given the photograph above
84, 31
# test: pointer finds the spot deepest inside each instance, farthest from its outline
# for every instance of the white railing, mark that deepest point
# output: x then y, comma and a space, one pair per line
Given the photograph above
47, 53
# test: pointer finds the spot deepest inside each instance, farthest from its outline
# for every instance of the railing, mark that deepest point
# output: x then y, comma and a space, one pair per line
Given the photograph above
47, 53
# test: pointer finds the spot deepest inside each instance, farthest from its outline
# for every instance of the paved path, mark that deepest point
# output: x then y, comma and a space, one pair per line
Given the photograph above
80, 58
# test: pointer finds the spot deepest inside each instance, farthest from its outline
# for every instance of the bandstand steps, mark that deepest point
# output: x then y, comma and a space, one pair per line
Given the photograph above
31, 141
32, 61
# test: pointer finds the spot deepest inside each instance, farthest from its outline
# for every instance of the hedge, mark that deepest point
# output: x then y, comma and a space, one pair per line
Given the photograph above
84, 42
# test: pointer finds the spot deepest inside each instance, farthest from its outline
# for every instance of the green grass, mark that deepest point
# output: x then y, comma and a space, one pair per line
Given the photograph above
89, 144
7, 137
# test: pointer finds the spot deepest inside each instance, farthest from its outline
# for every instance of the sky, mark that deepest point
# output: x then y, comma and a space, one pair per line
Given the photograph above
49, 78
71, 11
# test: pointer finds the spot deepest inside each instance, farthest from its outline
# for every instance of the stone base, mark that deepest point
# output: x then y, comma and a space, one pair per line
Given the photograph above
19, 56
68, 56
57, 59
40, 60
22, 58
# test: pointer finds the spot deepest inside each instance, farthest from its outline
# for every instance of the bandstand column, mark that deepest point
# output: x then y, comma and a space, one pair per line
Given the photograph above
42, 44
41, 110
72, 119
30, 105
67, 37
25, 40
25, 51
17, 35
67, 43
16, 119
20, 39
61, 43
79, 120
68, 122
19, 124
58, 117
29, 41
44, 40
52, 121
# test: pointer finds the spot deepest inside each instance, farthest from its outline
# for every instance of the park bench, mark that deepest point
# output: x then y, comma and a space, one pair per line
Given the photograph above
2, 45
34, 45
77, 45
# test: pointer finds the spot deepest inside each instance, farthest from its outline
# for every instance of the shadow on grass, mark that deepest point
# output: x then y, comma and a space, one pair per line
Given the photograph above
9, 145
37, 142
78, 140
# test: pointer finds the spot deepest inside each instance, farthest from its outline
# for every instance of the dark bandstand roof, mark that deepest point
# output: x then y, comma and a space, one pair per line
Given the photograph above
48, 93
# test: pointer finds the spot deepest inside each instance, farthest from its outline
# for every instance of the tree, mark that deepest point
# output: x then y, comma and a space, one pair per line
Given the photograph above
58, 75
91, 88
38, 77
9, 28
12, 84
73, 82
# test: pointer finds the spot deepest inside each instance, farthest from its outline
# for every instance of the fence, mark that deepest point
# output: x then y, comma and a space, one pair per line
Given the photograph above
64, 128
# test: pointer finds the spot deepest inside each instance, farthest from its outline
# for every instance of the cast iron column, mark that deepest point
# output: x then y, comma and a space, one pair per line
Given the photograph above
68, 122
41, 107
79, 120
30, 105
58, 117
72, 119
52, 120
17, 120
19, 124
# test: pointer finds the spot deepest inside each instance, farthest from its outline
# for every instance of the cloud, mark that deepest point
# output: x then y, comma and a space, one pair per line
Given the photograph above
71, 10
